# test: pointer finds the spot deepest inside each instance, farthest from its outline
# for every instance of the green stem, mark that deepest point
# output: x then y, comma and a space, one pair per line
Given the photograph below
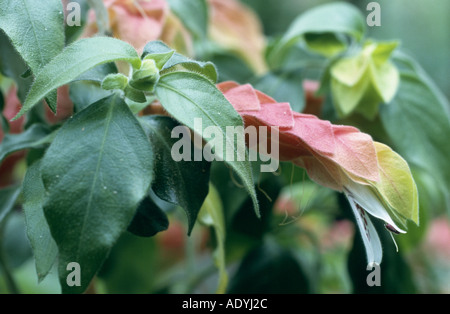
10, 282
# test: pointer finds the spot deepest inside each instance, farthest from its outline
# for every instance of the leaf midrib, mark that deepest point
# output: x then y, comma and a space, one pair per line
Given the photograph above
50, 84
203, 111
108, 120
35, 35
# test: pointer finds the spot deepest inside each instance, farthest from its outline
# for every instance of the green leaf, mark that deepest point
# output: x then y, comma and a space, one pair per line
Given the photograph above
76, 59
96, 172
193, 14
187, 96
284, 87
98, 73
84, 94
38, 231
148, 220
33, 137
184, 183
327, 44
13, 66
179, 62
329, 20
8, 197
211, 214
231, 68
36, 31
337, 17
418, 123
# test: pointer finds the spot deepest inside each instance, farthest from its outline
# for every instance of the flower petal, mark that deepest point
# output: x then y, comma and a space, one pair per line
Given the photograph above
369, 235
366, 198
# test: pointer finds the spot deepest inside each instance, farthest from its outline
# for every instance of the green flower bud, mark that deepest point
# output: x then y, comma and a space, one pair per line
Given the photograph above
115, 81
146, 77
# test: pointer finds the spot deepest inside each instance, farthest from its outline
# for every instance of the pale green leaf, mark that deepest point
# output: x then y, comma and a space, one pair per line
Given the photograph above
38, 231
396, 185
73, 61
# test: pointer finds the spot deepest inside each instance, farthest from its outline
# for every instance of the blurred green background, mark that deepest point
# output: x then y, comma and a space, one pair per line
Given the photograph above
421, 26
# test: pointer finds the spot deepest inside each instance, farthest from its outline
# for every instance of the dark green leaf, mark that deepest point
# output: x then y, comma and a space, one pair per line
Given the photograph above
184, 183
76, 59
38, 231
96, 172
188, 96
33, 137
232, 68
148, 220
418, 123
84, 94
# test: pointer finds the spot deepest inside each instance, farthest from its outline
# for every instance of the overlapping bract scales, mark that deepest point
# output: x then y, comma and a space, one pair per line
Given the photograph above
327, 151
